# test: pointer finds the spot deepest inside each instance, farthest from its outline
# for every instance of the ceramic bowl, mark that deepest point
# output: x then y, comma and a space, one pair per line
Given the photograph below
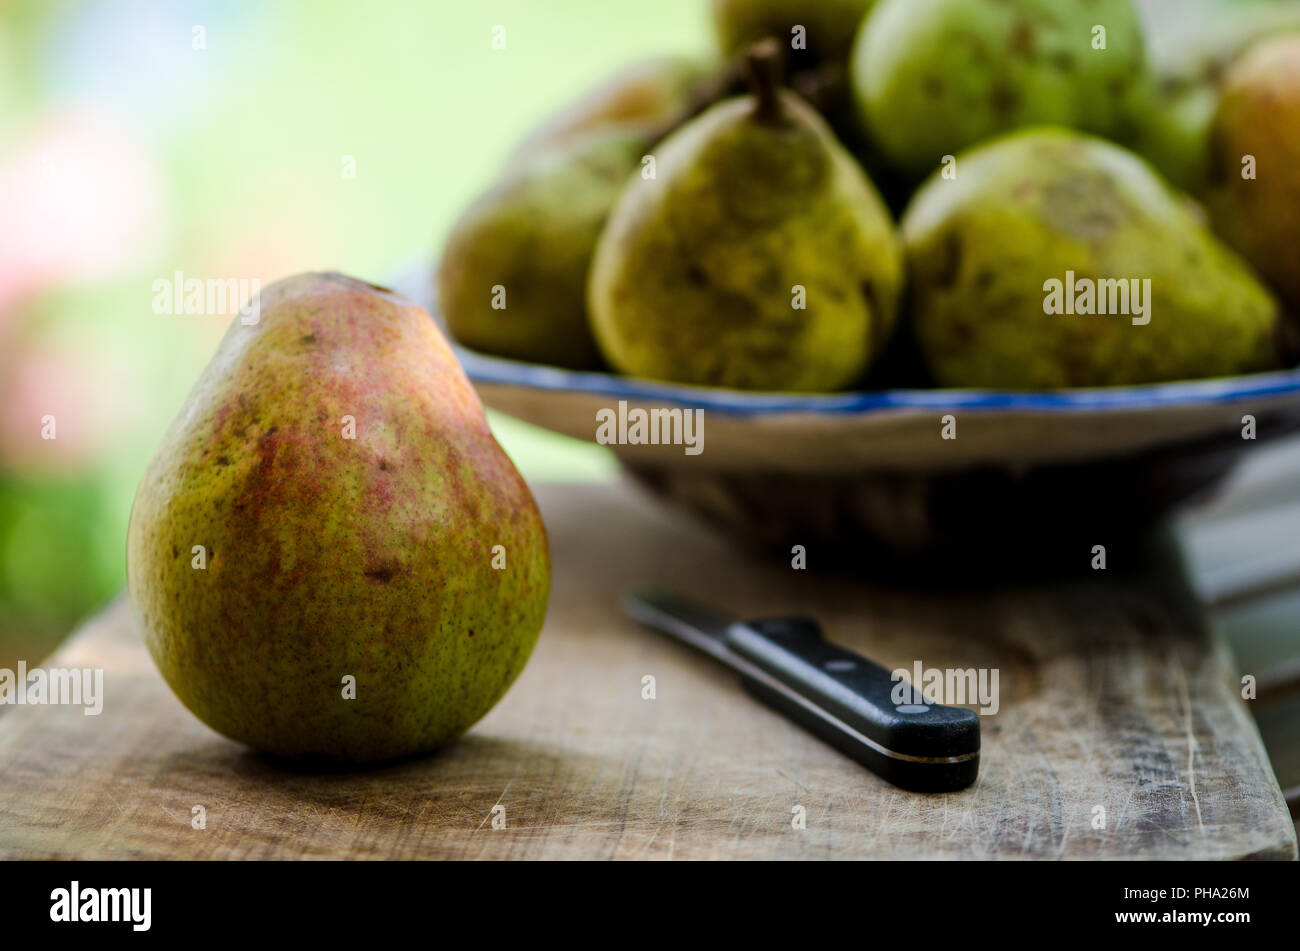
873, 471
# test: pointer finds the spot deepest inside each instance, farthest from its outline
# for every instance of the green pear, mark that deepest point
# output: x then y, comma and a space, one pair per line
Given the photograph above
1192, 44
1055, 259
813, 32
1255, 161
816, 37
932, 77
1173, 132
329, 554
513, 275
652, 92
759, 256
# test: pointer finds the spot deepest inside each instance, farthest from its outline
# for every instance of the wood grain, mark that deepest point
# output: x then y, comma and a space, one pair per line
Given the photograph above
1113, 694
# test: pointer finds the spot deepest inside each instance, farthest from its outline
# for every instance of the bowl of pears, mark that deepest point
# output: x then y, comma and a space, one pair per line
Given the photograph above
909, 277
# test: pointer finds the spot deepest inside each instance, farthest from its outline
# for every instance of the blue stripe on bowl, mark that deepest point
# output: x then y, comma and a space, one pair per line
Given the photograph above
495, 370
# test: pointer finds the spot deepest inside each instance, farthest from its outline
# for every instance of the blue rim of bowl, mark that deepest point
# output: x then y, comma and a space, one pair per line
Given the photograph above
496, 370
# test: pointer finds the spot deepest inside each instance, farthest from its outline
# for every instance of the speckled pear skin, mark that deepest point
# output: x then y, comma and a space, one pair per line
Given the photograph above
1027, 208
1259, 114
328, 557
533, 235
932, 77
693, 275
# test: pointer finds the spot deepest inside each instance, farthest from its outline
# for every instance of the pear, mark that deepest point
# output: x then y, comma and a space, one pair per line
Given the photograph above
1255, 162
652, 92
1190, 53
1193, 43
1055, 259
759, 256
814, 32
1173, 132
513, 275
329, 554
932, 77
816, 37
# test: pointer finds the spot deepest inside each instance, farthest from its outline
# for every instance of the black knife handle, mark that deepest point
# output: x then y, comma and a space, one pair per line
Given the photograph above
849, 702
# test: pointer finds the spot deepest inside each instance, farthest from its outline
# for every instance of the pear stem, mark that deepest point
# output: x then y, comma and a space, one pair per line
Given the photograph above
763, 65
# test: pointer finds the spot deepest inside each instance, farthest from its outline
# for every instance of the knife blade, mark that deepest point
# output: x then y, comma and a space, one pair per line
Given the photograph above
841, 697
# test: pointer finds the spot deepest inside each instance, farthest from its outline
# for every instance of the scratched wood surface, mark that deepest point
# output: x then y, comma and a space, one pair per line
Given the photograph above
1113, 695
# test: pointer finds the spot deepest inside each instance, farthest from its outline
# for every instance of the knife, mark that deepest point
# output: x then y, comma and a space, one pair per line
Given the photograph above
835, 694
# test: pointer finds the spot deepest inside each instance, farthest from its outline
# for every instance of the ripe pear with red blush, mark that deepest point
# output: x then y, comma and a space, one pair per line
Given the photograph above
1255, 156
330, 556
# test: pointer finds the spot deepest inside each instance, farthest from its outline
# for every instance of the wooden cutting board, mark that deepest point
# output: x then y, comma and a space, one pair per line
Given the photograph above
1115, 701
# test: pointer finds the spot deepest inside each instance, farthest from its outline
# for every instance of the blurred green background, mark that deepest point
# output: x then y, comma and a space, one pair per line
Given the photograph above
138, 139
142, 138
